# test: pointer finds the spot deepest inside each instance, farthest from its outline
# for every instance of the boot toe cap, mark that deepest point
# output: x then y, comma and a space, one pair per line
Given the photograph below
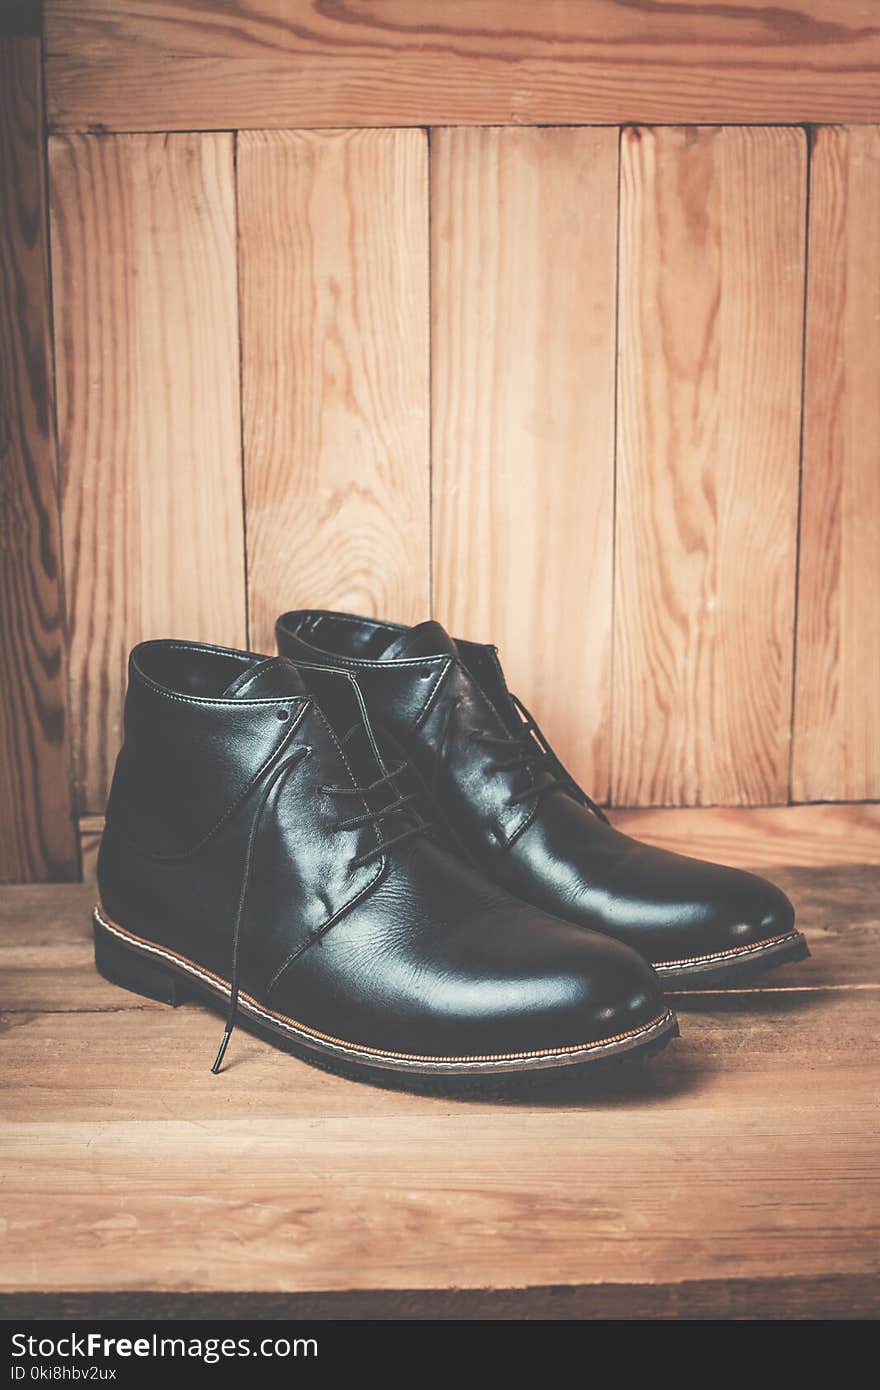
750, 911
579, 990
510, 983
745, 923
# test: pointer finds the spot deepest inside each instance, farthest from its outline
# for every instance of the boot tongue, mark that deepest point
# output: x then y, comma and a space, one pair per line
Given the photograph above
273, 676
427, 639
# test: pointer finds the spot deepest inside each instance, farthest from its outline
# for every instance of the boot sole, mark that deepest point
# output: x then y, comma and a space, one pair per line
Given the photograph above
159, 973
733, 967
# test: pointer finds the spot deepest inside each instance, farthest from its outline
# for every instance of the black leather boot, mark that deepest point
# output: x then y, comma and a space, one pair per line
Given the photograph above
508, 802
258, 852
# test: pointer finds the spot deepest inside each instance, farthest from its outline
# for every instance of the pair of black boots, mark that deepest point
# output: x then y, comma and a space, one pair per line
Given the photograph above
366, 849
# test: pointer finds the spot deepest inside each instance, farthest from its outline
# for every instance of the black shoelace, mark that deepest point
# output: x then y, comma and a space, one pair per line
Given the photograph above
527, 750
401, 803
376, 817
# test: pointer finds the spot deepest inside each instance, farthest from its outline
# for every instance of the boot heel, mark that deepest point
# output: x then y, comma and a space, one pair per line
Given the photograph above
124, 966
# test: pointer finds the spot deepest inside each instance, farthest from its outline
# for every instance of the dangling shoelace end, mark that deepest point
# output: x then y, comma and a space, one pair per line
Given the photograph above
300, 751
400, 803
221, 1051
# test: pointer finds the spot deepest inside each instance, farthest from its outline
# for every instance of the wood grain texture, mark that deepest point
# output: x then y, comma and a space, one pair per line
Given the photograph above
743, 1157
148, 409
37, 831
837, 699
761, 837
334, 301
524, 265
183, 64
709, 381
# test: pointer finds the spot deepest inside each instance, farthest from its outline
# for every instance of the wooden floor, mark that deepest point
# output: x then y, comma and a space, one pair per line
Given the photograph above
736, 1175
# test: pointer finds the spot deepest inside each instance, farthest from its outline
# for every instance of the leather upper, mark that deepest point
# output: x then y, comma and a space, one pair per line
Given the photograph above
518, 813
375, 934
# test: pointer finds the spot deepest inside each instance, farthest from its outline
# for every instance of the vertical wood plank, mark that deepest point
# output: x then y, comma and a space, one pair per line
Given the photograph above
334, 300
524, 231
710, 350
148, 406
836, 752
37, 831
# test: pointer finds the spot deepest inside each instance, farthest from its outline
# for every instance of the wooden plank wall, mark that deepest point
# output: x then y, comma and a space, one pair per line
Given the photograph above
524, 250
37, 828
146, 333
333, 249
709, 352
591, 368
838, 642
